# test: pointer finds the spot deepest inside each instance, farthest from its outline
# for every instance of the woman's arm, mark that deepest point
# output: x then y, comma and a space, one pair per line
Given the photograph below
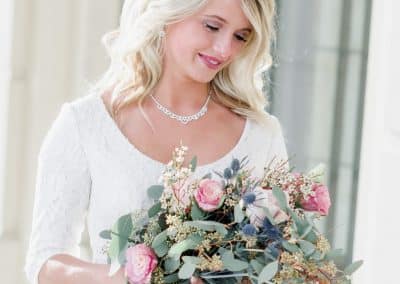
62, 197
66, 269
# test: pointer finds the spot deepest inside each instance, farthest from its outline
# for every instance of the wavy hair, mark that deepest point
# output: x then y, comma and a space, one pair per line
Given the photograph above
136, 52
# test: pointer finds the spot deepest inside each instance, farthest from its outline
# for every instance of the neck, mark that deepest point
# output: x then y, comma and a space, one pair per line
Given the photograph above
182, 96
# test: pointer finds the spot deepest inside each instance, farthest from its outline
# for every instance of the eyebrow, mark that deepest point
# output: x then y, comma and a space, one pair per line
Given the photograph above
225, 21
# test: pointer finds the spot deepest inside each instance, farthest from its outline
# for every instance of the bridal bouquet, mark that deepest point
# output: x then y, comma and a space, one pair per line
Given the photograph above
228, 228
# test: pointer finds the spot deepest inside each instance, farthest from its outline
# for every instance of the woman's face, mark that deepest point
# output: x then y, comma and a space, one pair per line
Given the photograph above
198, 47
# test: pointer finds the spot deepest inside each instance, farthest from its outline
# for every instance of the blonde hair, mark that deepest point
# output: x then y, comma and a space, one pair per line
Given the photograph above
136, 52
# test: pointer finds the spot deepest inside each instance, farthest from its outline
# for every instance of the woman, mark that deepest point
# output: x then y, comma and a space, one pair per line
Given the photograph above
181, 71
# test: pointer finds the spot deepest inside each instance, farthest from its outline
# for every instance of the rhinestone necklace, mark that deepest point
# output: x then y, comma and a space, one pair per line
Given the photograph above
185, 119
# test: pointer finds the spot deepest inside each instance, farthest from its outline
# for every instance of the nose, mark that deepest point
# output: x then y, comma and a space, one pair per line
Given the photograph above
223, 47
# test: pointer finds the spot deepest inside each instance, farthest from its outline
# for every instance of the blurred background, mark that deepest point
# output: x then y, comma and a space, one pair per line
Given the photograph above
334, 87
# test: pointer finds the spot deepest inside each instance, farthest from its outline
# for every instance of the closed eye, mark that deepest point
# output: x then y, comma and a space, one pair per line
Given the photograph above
240, 38
211, 28
214, 29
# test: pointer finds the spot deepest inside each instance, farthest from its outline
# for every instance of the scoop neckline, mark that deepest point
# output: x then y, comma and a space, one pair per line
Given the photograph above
134, 149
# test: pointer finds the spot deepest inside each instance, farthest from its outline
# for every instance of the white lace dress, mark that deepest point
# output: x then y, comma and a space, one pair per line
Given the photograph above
89, 171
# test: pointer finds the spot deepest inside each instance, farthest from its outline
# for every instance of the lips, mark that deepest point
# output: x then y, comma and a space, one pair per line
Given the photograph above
210, 62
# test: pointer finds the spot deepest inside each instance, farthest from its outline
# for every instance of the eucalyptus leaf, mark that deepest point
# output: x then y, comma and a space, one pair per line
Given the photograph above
268, 272
173, 278
233, 264
159, 244
159, 239
280, 197
257, 266
334, 254
300, 223
290, 247
312, 237
121, 232
306, 231
239, 216
106, 234
307, 247
186, 271
353, 267
155, 191
196, 213
191, 259
188, 244
171, 264
153, 211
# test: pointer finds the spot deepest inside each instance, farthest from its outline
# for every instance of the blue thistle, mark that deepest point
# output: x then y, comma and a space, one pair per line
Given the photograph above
249, 230
272, 232
235, 165
249, 198
273, 249
228, 173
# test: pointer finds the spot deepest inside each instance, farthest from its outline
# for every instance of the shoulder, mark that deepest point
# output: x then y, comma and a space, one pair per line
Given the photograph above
85, 104
268, 124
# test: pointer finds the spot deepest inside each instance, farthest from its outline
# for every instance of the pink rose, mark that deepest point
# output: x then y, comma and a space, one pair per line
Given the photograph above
209, 195
319, 202
141, 261
182, 191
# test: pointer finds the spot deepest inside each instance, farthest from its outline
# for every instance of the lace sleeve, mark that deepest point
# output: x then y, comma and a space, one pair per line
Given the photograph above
62, 194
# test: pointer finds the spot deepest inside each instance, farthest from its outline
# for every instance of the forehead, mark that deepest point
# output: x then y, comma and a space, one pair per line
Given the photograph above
229, 10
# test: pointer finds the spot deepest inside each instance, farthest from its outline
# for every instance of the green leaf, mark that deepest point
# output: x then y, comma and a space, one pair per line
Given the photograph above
171, 264
191, 259
121, 231
290, 247
159, 244
300, 223
317, 255
307, 247
173, 278
153, 211
239, 216
311, 237
334, 254
193, 163
280, 197
353, 267
209, 226
106, 234
268, 272
155, 191
231, 263
257, 266
190, 243
196, 213
306, 231
186, 270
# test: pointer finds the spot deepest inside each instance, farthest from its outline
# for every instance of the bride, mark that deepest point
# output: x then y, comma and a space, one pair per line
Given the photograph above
182, 71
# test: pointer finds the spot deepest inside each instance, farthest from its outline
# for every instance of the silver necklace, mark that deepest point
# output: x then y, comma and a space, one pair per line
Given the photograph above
185, 119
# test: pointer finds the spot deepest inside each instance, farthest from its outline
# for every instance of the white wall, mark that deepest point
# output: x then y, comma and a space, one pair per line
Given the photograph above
378, 223
6, 9
56, 49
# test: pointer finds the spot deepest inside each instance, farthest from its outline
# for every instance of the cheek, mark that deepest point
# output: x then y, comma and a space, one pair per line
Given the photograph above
183, 45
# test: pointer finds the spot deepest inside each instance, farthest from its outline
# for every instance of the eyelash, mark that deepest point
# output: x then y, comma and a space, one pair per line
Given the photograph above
214, 29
